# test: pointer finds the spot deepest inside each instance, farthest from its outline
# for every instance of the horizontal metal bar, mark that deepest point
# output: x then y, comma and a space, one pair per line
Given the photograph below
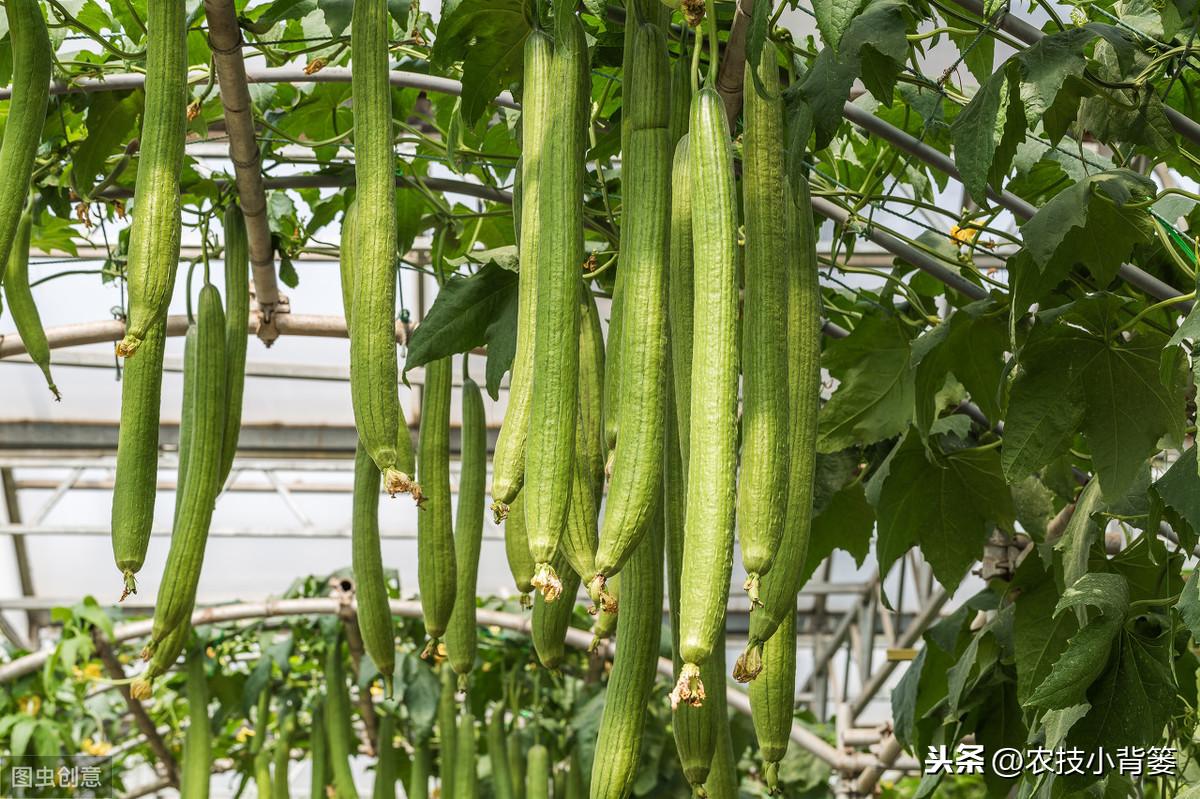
1020, 208
906, 251
576, 638
136, 80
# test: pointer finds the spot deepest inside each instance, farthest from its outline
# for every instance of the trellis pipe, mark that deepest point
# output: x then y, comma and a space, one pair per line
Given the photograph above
1005, 199
134, 80
1019, 28
929, 614
225, 41
579, 639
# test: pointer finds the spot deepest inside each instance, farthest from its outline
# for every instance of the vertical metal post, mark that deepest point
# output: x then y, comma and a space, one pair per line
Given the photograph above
24, 574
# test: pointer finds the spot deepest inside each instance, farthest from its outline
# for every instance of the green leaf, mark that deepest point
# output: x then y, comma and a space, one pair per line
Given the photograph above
1129, 117
846, 523
1039, 636
488, 36
1059, 722
825, 90
1001, 726
1081, 663
873, 47
948, 507
462, 315
1108, 593
112, 119
986, 133
52, 233
501, 338
959, 674
410, 215
873, 400
287, 272
1189, 604
21, 734
1178, 493
417, 688
834, 17
904, 699
1091, 224
1033, 504
978, 53
1046, 65
969, 345
1135, 696
1076, 372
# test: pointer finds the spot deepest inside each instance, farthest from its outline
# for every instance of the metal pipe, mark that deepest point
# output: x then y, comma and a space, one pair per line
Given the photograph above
1005, 199
889, 750
928, 615
135, 80
903, 250
225, 41
346, 178
12, 508
576, 638
111, 330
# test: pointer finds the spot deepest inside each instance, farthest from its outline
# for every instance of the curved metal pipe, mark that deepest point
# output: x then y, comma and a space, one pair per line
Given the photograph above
576, 638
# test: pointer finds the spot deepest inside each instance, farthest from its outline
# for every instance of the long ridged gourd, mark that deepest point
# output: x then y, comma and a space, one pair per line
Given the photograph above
537, 773
155, 231
366, 559
281, 758
32, 59
578, 541
780, 587
497, 749
773, 700
202, 484
762, 481
508, 459
406, 458
24, 312
418, 777
637, 460
197, 742
680, 293
136, 486
550, 467
516, 761
385, 763
712, 450
551, 619
374, 368
466, 778
436, 566
237, 318
697, 730
631, 681
318, 752
162, 660
338, 727
461, 636
636, 11
590, 439
516, 549
447, 725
